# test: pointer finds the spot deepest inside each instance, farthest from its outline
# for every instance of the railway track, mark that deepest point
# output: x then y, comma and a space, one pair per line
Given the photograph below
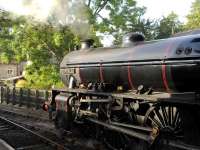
22, 138
43, 128
30, 133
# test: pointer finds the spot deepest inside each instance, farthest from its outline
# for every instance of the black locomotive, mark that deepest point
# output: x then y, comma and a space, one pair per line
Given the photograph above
141, 92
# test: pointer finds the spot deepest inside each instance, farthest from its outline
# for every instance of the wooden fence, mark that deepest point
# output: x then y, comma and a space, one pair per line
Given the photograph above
24, 97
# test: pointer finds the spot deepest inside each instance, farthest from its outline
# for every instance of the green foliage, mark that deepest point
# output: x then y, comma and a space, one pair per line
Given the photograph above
194, 16
44, 77
5, 57
123, 16
38, 43
41, 44
5, 37
44, 45
168, 26
21, 84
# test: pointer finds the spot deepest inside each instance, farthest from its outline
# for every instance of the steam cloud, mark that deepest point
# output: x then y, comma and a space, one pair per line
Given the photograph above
72, 13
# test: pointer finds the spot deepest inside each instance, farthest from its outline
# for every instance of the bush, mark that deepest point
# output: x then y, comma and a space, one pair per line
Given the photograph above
44, 77
21, 84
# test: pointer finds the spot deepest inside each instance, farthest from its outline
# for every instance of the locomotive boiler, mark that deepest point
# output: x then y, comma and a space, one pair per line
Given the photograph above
141, 92
164, 65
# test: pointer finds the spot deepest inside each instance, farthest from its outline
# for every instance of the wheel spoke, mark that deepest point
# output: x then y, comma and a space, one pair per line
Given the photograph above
170, 115
166, 118
178, 125
153, 120
160, 117
164, 115
176, 117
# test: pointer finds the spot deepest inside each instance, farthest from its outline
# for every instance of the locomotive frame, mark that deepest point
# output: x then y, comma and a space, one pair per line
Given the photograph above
161, 114
154, 137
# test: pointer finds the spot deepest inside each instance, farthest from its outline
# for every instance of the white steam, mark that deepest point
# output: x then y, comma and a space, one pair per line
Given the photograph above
38, 9
72, 13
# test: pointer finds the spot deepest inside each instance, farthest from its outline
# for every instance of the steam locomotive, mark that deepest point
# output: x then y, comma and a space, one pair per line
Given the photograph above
141, 92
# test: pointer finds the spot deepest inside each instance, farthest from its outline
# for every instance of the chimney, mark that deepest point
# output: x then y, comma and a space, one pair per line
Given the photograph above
86, 44
132, 39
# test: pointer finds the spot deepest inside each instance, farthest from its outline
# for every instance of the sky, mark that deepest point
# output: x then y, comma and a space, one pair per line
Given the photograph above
159, 8
155, 9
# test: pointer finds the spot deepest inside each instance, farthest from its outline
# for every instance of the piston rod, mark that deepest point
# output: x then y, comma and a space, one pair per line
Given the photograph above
146, 129
149, 138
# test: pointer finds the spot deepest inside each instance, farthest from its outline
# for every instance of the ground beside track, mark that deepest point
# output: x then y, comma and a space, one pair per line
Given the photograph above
38, 120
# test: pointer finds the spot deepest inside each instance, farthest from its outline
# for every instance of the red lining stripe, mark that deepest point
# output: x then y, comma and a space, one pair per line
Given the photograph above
164, 78
164, 69
130, 77
101, 73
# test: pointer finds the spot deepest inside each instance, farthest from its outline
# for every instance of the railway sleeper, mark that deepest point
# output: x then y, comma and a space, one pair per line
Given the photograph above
26, 138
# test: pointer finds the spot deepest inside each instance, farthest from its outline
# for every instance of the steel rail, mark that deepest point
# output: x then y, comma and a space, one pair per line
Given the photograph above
34, 133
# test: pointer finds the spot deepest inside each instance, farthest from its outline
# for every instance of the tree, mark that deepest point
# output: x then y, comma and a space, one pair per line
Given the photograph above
122, 16
168, 26
43, 77
194, 16
44, 46
41, 44
6, 52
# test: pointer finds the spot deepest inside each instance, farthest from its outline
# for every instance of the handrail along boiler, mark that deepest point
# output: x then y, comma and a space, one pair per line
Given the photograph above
146, 91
